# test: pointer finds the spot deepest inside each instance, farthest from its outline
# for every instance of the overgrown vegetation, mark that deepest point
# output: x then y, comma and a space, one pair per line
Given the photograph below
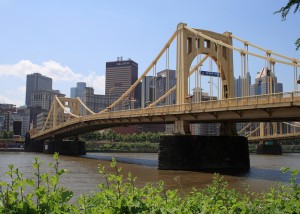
92, 146
117, 137
118, 194
110, 141
6, 134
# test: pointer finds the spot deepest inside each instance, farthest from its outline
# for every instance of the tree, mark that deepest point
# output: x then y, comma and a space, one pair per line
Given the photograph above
284, 11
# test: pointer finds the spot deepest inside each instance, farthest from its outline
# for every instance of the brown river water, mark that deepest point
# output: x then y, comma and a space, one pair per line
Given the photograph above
83, 176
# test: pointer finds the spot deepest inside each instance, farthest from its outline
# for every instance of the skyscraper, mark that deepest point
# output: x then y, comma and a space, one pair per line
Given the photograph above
242, 86
265, 83
120, 75
166, 79
44, 98
78, 90
147, 91
35, 82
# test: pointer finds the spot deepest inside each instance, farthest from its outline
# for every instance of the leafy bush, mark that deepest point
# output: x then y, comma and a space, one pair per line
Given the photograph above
118, 194
46, 196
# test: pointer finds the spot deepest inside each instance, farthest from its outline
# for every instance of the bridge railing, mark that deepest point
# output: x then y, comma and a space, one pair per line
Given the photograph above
214, 105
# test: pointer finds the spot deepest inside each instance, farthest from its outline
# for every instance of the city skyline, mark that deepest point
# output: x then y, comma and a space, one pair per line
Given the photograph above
70, 42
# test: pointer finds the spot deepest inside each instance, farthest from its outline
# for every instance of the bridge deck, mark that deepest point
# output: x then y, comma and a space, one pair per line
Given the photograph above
273, 107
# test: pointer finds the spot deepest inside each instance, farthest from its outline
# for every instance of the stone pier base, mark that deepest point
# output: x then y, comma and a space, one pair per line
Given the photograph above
198, 153
64, 147
273, 148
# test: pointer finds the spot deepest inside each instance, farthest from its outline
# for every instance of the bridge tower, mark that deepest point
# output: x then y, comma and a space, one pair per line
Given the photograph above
190, 44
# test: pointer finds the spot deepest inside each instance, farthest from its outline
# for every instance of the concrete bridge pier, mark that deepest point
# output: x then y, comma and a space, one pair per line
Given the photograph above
33, 145
182, 127
198, 153
64, 147
269, 148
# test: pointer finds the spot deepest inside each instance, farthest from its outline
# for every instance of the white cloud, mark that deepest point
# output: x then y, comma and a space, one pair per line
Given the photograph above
50, 68
63, 77
4, 100
97, 82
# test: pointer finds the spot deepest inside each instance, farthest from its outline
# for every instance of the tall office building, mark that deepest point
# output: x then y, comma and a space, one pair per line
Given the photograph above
148, 91
78, 90
154, 87
242, 86
166, 80
120, 75
44, 98
265, 83
35, 82
95, 102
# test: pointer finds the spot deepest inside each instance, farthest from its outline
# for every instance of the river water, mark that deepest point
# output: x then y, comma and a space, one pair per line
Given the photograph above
83, 176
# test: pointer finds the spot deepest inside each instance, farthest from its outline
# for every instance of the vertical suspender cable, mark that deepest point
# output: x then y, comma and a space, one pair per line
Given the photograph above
245, 71
210, 80
198, 90
168, 76
155, 75
219, 72
200, 82
242, 75
295, 77
274, 78
153, 84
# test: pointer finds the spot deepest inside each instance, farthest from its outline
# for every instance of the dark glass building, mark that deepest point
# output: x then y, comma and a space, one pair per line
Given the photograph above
120, 75
35, 82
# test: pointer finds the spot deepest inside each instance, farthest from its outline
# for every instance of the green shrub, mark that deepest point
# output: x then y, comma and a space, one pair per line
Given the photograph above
46, 196
119, 194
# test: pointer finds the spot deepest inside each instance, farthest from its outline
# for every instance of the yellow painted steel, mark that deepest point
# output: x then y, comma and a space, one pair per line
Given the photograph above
187, 40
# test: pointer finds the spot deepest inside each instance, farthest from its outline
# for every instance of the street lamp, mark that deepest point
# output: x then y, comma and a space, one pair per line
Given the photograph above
211, 89
132, 103
190, 97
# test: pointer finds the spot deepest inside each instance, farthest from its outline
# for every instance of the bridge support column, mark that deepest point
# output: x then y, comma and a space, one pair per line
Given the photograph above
32, 145
198, 153
269, 148
228, 129
65, 147
182, 127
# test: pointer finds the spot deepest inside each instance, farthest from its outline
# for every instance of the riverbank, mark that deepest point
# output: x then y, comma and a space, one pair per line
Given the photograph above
285, 148
107, 146
148, 147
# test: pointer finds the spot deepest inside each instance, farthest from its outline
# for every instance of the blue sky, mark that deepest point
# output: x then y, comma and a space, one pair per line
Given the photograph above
70, 40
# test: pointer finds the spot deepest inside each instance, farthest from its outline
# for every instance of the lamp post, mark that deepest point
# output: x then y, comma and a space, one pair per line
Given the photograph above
132, 103
211, 89
190, 97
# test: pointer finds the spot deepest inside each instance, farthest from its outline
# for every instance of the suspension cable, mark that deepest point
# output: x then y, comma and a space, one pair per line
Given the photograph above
238, 49
168, 75
242, 74
262, 49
